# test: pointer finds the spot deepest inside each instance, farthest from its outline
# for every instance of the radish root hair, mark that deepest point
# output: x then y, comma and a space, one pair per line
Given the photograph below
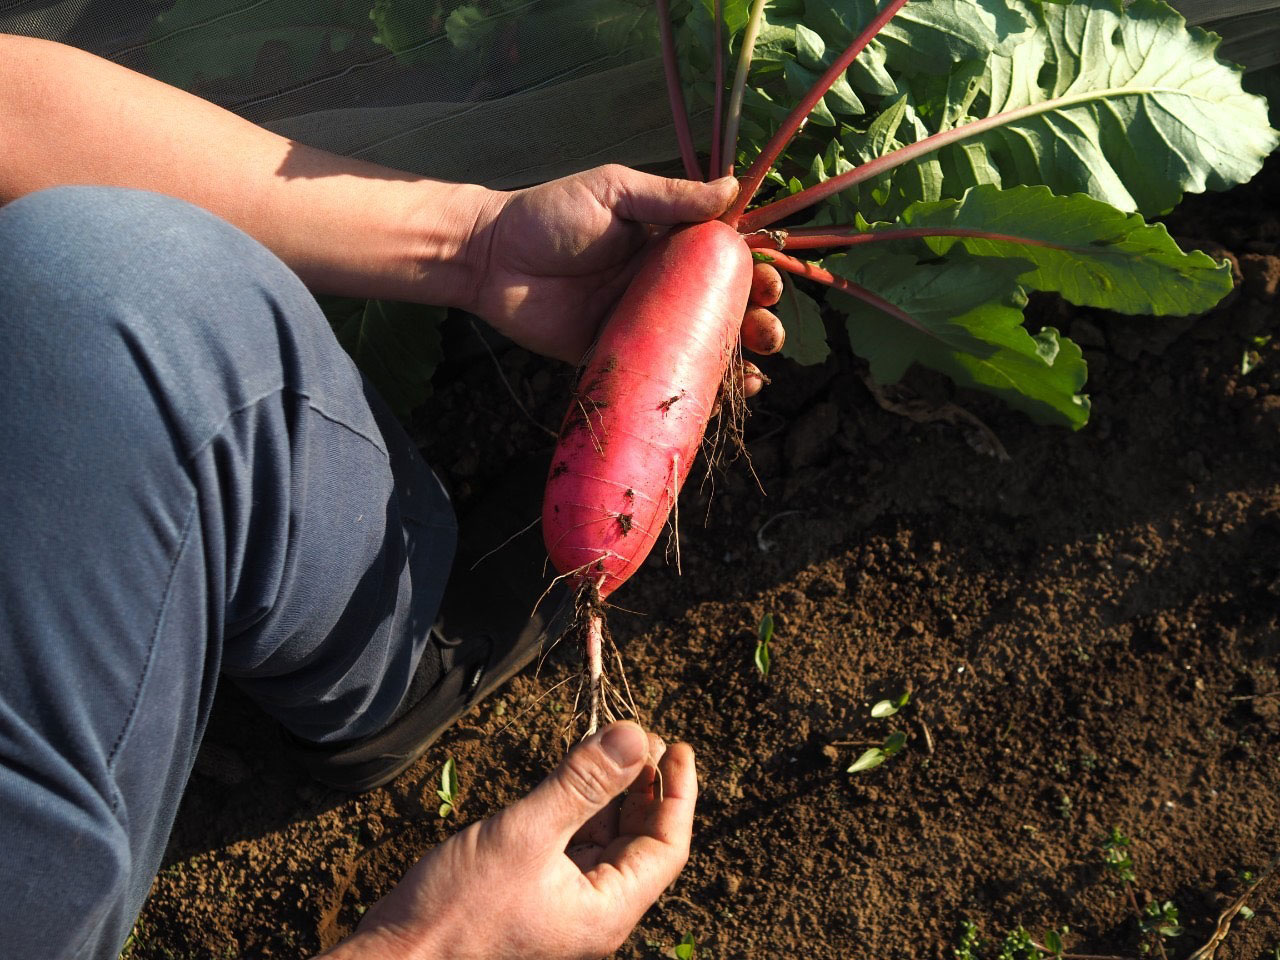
597, 695
726, 442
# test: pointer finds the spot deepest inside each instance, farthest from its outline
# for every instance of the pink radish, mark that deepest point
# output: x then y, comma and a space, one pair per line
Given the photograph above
643, 403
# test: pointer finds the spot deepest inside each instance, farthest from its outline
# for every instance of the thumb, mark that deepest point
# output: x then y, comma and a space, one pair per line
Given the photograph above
590, 775
648, 198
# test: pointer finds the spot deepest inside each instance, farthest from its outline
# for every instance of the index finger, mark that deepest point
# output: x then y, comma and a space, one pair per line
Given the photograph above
605, 826
636, 868
668, 815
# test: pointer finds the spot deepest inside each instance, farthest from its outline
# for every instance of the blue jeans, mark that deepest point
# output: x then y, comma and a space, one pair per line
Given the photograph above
194, 481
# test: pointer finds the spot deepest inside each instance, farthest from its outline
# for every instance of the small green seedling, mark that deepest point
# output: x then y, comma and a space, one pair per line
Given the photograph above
1018, 945
1157, 921
966, 947
686, 949
893, 743
1053, 942
1116, 857
872, 758
448, 792
1161, 920
763, 656
1252, 355
887, 708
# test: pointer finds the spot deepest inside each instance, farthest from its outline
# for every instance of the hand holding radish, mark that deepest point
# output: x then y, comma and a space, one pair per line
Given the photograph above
564, 873
556, 257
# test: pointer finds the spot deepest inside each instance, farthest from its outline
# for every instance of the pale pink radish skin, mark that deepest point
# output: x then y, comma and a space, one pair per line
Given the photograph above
595, 669
643, 402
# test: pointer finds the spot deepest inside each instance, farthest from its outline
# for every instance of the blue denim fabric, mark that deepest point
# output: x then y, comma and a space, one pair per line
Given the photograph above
194, 480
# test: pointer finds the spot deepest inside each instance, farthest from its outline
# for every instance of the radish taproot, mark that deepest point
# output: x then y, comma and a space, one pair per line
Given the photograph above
643, 402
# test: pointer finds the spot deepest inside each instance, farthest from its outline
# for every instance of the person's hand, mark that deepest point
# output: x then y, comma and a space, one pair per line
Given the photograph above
564, 873
556, 257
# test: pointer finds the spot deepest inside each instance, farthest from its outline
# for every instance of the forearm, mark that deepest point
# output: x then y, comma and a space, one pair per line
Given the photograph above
348, 227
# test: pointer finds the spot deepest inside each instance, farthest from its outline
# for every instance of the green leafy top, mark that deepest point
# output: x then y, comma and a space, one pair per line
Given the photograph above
970, 310
979, 149
1091, 253
1126, 105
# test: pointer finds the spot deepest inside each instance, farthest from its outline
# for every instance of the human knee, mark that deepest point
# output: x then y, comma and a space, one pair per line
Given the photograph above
68, 872
133, 249
108, 226
123, 287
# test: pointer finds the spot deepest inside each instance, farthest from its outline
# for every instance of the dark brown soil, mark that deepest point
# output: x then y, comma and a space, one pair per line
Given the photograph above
1090, 634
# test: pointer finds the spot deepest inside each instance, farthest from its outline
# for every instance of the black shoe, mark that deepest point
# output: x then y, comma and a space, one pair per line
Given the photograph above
496, 614
471, 666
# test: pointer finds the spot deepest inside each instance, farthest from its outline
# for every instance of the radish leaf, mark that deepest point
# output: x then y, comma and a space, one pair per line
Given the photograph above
894, 743
801, 38
1091, 253
926, 35
887, 708
806, 335
397, 346
869, 760
970, 313
448, 791
1101, 108
872, 758
763, 657
468, 28
1124, 104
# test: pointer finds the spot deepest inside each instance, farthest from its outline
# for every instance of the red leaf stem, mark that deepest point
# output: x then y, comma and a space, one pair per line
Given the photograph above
812, 238
803, 268
718, 109
751, 180
794, 203
679, 114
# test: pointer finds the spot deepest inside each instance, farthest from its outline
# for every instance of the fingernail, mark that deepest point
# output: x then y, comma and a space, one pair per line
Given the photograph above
657, 747
624, 743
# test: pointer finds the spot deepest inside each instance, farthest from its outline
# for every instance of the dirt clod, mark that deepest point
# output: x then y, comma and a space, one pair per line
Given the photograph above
1261, 275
